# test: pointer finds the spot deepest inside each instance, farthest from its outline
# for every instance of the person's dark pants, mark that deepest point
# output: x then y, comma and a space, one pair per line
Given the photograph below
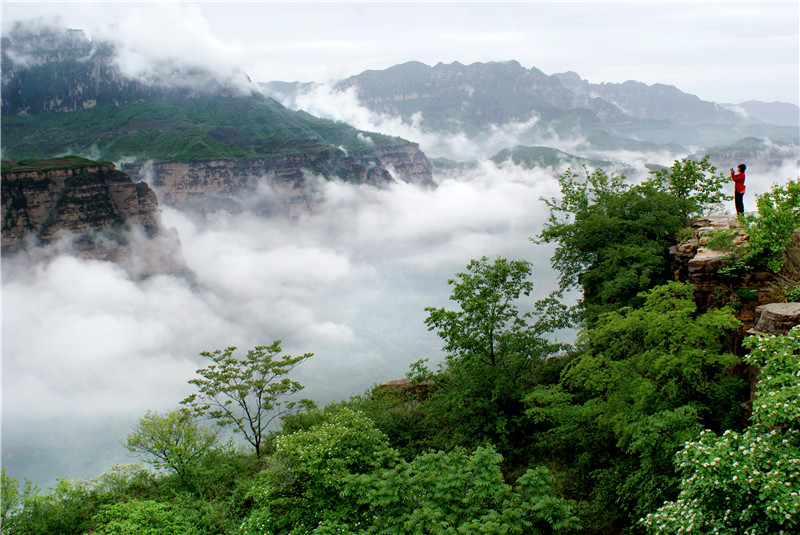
739, 199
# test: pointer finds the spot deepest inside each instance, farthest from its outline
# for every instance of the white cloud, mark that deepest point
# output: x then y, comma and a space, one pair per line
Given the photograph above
84, 342
720, 51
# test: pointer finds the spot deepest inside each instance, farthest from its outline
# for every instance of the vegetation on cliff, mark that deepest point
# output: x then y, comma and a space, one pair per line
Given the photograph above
50, 164
178, 129
638, 427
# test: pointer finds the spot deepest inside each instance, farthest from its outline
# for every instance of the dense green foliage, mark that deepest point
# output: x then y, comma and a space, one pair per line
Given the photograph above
171, 441
142, 517
201, 128
748, 481
64, 162
769, 232
638, 427
342, 476
644, 380
612, 237
492, 353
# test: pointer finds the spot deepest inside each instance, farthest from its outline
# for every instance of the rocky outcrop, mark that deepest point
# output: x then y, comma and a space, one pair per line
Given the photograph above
693, 261
96, 205
209, 184
408, 388
776, 318
751, 294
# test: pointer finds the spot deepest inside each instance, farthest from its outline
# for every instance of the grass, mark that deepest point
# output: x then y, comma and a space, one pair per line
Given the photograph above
174, 129
64, 162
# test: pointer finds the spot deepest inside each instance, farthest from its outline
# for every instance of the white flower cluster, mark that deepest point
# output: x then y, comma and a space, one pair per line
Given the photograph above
746, 482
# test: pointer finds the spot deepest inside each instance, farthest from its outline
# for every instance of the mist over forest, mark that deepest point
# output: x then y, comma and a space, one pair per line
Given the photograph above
348, 282
90, 346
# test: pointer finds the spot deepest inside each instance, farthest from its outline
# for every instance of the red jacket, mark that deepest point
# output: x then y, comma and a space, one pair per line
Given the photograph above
738, 180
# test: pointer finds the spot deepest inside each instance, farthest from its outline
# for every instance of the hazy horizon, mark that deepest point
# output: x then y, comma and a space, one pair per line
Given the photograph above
724, 52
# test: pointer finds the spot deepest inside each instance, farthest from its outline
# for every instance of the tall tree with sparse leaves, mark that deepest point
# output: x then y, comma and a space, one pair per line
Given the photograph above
247, 394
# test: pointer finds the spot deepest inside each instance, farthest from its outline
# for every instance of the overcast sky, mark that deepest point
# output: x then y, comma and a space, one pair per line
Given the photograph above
719, 51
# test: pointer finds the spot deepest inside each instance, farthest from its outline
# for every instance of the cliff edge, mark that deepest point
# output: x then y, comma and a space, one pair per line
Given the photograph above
99, 209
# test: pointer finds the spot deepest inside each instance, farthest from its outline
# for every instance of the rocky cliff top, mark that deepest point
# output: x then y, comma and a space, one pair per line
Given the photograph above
752, 294
92, 205
52, 169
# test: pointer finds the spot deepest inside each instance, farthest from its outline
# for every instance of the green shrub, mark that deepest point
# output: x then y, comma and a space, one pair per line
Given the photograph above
142, 517
770, 232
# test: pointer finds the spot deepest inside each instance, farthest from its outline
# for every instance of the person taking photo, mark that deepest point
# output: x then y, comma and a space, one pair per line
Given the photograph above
738, 186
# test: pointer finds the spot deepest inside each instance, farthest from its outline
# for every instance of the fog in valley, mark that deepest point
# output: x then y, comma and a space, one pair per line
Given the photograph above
92, 347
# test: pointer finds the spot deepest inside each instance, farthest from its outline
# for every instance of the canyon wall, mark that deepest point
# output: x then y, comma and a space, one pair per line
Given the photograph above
98, 208
213, 183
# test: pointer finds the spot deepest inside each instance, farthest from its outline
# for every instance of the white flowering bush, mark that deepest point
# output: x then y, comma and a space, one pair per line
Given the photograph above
748, 482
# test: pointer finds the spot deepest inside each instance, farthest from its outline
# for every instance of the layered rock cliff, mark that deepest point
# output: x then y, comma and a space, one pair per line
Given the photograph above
201, 185
693, 261
95, 205
753, 295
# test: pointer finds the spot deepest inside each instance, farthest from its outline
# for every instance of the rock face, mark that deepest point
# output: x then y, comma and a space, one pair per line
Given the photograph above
776, 318
230, 143
751, 294
77, 74
417, 87
94, 203
211, 183
694, 262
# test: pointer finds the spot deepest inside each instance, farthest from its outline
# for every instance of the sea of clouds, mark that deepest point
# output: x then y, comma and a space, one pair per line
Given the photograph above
89, 346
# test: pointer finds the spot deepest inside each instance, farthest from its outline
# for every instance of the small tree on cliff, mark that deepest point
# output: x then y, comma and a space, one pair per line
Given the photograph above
247, 394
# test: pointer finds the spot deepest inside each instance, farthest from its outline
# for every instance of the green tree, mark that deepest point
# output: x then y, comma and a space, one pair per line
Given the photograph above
645, 381
303, 482
612, 237
492, 350
142, 517
694, 181
749, 481
341, 476
65, 509
10, 497
489, 328
439, 493
247, 394
172, 441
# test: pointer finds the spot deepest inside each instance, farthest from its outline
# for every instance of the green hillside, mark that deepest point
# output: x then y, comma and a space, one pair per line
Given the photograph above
544, 157
182, 130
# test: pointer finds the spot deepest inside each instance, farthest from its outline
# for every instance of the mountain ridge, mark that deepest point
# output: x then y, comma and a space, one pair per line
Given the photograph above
64, 94
449, 98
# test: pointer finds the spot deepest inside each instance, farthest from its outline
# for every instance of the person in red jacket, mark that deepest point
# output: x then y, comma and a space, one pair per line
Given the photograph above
738, 186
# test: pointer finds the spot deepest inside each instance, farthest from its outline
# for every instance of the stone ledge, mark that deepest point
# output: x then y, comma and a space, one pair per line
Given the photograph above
776, 318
